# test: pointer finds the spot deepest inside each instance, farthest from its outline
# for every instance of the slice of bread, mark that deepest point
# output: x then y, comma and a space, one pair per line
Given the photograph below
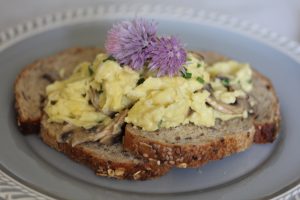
30, 85
190, 145
267, 117
105, 160
193, 146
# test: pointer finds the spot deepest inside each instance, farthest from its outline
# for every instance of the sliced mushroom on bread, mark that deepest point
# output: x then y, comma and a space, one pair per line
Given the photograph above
193, 146
106, 160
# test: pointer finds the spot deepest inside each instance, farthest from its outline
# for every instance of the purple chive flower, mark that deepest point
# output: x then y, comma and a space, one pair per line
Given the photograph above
167, 56
127, 41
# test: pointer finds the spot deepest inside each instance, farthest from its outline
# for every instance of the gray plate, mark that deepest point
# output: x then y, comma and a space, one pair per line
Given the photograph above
263, 171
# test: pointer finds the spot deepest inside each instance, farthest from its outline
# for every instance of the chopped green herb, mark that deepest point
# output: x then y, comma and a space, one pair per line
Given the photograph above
159, 124
225, 82
199, 65
53, 102
109, 58
187, 75
249, 81
189, 59
140, 81
72, 116
200, 80
91, 71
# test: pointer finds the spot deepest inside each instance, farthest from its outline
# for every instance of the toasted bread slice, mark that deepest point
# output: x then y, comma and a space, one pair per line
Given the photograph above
267, 110
267, 117
193, 146
30, 85
105, 160
190, 145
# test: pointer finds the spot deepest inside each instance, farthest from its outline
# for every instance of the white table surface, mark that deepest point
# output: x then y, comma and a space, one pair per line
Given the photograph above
281, 16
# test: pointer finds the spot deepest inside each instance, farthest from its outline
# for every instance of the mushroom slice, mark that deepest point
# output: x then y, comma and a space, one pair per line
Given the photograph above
238, 108
65, 133
208, 87
113, 129
94, 97
103, 134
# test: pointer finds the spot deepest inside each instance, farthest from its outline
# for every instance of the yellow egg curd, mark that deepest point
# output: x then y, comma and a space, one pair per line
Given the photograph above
95, 91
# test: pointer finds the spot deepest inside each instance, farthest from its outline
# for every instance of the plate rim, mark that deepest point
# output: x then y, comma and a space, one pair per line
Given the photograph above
48, 22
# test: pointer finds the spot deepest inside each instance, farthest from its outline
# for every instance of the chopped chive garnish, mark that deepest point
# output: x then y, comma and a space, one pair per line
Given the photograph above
140, 81
53, 102
91, 71
187, 75
200, 80
109, 58
199, 65
225, 82
159, 123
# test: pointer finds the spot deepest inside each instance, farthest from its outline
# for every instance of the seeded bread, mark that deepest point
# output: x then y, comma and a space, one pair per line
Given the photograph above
193, 146
267, 109
190, 145
30, 85
106, 160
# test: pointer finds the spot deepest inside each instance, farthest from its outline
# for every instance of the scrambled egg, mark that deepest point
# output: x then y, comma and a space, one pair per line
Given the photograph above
107, 82
96, 90
162, 102
116, 83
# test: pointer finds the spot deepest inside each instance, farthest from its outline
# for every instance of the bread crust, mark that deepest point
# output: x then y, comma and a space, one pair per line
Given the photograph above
26, 125
268, 130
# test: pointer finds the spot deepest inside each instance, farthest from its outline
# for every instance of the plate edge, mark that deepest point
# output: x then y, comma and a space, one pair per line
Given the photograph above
38, 25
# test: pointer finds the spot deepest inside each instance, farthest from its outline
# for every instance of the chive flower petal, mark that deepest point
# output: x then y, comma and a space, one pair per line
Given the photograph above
167, 56
127, 42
